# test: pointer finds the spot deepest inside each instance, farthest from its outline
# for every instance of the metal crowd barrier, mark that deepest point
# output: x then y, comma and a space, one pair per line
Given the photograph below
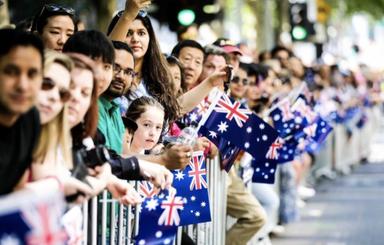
123, 223
341, 152
338, 154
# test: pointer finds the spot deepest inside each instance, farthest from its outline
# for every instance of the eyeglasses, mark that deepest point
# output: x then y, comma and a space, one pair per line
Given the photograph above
49, 84
237, 80
127, 72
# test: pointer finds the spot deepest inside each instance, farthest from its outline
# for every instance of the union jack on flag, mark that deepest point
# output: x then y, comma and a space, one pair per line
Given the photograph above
146, 189
304, 110
203, 106
310, 130
286, 110
233, 110
47, 231
197, 172
170, 215
272, 152
33, 218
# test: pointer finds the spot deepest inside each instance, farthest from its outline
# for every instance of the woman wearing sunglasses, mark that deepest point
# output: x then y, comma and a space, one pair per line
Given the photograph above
55, 24
239, 84
52, 156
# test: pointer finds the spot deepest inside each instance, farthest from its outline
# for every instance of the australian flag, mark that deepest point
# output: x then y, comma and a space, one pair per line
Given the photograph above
233, 122
193, 117
285, 121
191, 184
317, 131
228, 151
159, 218
26, 218
279, 151
264, 171
265, 168
301, 108
287, 151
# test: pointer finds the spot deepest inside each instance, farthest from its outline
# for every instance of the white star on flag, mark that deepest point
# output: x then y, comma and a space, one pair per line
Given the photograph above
179, 175
158, 234
151, 204
213, 134
246, 145
9, 240
264, 137
193, 117
203, 204
222, 127
197, 214
262, 126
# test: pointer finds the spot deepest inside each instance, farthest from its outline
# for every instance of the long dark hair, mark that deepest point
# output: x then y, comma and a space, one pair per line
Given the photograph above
156, 76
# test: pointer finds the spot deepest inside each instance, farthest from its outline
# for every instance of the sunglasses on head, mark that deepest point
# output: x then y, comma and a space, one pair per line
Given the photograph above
55, 8
49, 84
142, 13
237, 80
127, 72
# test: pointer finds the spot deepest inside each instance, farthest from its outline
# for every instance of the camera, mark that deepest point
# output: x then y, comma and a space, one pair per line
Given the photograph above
93, 157
88, 158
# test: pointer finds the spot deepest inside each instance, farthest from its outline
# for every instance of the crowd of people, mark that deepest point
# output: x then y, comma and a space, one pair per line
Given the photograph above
90, 111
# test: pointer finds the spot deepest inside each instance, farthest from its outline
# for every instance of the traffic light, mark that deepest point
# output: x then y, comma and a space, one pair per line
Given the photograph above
301, 27
185, 12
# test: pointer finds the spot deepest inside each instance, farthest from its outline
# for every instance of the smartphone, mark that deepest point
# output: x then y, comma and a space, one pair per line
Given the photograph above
229, 71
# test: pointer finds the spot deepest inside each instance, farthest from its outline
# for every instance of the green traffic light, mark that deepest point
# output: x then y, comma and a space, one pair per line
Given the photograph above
186, 17
299, 33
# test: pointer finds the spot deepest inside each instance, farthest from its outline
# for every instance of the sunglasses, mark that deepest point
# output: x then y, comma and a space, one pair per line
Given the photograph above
237, 80
55, 8
49, 84
142, 13
127, 72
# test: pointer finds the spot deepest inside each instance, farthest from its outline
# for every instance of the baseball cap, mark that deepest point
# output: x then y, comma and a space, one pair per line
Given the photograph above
227, 45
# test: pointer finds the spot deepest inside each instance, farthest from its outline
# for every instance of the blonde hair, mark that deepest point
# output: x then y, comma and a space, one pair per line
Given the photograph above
55, 134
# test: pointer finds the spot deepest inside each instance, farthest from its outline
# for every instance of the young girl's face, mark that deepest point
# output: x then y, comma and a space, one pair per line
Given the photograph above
149, 126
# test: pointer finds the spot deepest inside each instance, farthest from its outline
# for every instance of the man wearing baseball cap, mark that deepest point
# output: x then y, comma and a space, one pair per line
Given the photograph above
231, 49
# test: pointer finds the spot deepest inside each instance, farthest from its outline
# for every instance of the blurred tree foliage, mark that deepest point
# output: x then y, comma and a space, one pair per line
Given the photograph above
95, 13
374, 8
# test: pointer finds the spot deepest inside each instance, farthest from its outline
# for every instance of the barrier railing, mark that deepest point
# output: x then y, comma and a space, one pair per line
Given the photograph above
123, 223
119, 225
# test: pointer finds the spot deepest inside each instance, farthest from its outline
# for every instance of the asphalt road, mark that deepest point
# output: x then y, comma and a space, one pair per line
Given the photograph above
348, 210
